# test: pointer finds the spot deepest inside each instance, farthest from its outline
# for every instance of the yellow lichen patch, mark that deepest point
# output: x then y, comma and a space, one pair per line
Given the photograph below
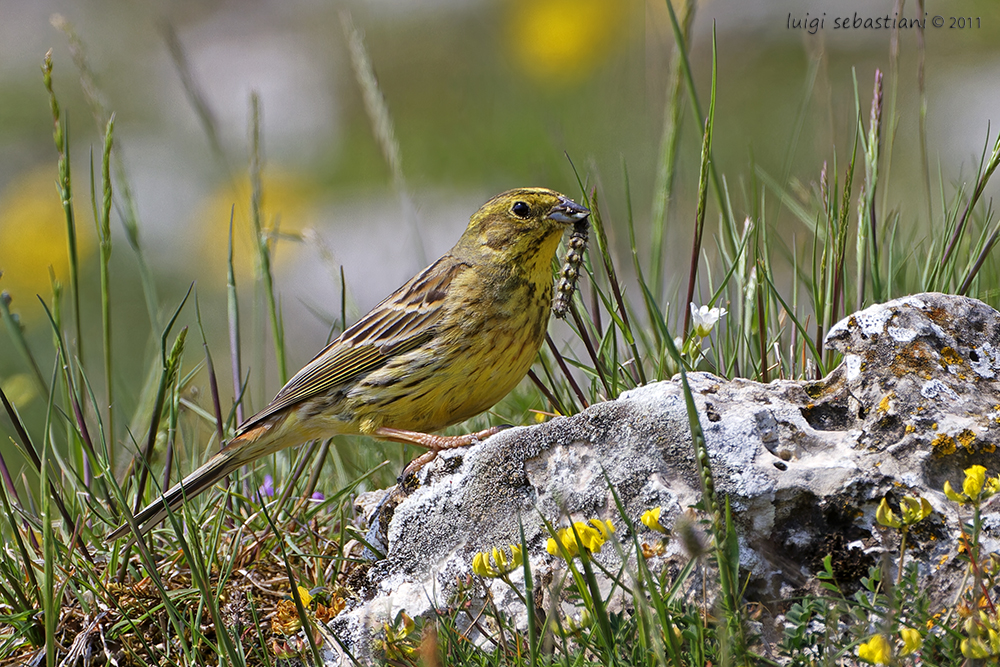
943, 444
914, 357
883, 405
910, 428
950, 357
967, 439
989, 447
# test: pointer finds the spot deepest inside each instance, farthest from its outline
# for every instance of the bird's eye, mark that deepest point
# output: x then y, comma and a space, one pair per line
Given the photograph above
520, 209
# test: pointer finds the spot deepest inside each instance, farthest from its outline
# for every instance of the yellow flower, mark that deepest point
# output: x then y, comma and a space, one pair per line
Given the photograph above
950, 492
564, 40
975, 648
912, 640
976, 488
590, 538
885, 516
605, 528
287, 203
876, 650
33, 238
975, 479
495, 563
573, 626
305, 596
914, 510
651, 519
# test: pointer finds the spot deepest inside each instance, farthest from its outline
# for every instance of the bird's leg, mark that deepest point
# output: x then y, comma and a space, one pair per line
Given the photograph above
435, 443
432, 443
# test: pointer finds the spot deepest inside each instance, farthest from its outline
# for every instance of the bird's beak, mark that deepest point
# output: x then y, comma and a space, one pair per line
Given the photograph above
568, 211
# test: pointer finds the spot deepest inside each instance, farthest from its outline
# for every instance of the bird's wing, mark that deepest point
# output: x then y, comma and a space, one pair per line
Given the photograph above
404, 320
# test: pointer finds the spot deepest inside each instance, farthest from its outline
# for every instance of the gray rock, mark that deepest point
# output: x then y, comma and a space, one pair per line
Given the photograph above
803, 464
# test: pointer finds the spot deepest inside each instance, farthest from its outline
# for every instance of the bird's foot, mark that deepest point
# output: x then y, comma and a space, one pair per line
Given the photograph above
436, 443
433, 444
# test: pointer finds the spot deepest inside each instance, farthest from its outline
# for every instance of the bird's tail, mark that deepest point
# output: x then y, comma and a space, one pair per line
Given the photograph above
241, 450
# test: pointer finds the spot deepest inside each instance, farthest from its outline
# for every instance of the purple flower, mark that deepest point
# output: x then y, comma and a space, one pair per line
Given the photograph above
266, 489
318, 495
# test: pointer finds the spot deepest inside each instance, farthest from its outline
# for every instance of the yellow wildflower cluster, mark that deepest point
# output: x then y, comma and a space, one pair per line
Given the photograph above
580, 535
878, 649
495, 563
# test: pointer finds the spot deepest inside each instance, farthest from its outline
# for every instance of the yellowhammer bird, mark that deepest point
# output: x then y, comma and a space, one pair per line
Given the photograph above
444, 347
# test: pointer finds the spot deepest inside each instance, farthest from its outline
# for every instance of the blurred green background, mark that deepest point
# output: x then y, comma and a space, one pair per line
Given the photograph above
484, 95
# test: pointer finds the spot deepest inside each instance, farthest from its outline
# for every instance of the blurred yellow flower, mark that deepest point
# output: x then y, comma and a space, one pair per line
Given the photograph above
33, 238
285, 203
591, 538
305, 596
496, 563
573, 626
912, 640
564, 40
651, 519
979, 648
876, 650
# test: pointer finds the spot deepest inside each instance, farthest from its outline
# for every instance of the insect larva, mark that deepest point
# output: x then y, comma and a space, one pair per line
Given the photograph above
570, 272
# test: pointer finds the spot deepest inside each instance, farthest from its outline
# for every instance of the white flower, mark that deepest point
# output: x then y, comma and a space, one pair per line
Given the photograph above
704, 319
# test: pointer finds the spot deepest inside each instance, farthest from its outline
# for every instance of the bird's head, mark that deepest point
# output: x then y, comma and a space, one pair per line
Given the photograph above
522, 224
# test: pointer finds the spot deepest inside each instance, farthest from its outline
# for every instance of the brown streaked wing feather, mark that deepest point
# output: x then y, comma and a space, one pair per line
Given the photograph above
402, 321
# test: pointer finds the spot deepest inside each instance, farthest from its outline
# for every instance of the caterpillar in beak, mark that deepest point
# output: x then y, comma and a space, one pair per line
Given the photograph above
570, 272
